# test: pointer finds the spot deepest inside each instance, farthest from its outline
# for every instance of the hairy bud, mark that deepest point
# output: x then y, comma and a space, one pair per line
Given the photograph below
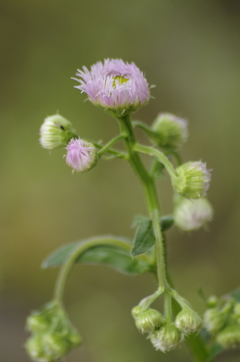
213, 320
172, 131
81, 155
149, 320
192, 180
192, 214
56, 131
167, 338
188, 321
229, 337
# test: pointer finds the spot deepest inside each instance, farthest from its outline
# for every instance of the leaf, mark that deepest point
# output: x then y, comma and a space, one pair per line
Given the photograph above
144, 238
166, 222
113, 256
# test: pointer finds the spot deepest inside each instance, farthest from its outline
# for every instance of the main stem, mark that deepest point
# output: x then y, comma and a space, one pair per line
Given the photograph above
151, 194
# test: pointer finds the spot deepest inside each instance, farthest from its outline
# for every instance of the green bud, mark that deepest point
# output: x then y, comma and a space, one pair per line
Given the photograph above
37, 323
192, 180
35, 349
75, 340
214, 320
172, 131
55, 345
149, 321
136, 311
212, 301
56, 131
167, 338
188, 321
229, 337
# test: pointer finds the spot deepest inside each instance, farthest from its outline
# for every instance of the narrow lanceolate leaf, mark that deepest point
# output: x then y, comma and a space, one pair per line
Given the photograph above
144, 238
115, 256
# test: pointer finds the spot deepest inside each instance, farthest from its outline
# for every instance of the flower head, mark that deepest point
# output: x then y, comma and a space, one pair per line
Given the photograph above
81, 155
114, 85
188, 321
192, 180
149, 320
172, 131
192, 214
56, 131
167, 338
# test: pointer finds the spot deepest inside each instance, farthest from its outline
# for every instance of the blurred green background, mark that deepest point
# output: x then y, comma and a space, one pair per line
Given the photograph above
191, 51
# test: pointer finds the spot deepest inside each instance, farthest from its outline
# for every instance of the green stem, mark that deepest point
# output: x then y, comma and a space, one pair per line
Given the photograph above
160, 156
66, 268
146, 129
109, 144
159, 247
168, 307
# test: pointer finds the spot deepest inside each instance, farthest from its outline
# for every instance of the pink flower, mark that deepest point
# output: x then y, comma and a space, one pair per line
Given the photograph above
81, 155
114, 85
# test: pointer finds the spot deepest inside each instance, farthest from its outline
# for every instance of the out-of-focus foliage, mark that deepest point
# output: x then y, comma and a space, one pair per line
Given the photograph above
190, 50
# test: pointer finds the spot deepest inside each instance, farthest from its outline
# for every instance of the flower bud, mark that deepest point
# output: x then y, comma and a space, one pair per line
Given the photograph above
172, 131
81, 155
56, 131
55, 345
37, 323
149, 320
35, 349
213, 320
136, 311
188, 321
192, 180
167, 338
192, 214
212, 301
229, 337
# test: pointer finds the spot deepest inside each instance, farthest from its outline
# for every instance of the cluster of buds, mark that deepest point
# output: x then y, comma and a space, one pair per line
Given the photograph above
56, 131
53, 335
166, 335
192, 214
222, 321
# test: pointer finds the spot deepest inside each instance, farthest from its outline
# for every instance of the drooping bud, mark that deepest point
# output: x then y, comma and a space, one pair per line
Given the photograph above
56, 346
229, 337
192, 180
212, 301
35, 349
149, 321
214, 320
53, 334
81, 155
167, 338
172, 131
56, 131
188, 321
192, 214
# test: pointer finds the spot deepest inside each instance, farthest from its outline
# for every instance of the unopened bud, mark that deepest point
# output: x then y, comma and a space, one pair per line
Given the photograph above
56, 345
149, 321
172, 131
192, 180
213, 320
192, 214
35, 349
167, 338
188, 321
37, 323
56, 131
81, 155
212, 301
229, 337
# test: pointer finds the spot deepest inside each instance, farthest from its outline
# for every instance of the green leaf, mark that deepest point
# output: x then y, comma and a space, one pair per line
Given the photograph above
144, 238
113, 256
166, 222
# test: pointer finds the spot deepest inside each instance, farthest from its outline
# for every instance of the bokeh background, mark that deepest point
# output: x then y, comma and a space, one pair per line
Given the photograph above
191, 51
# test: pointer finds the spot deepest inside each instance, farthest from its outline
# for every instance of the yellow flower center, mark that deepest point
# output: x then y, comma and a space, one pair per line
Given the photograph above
120, 80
